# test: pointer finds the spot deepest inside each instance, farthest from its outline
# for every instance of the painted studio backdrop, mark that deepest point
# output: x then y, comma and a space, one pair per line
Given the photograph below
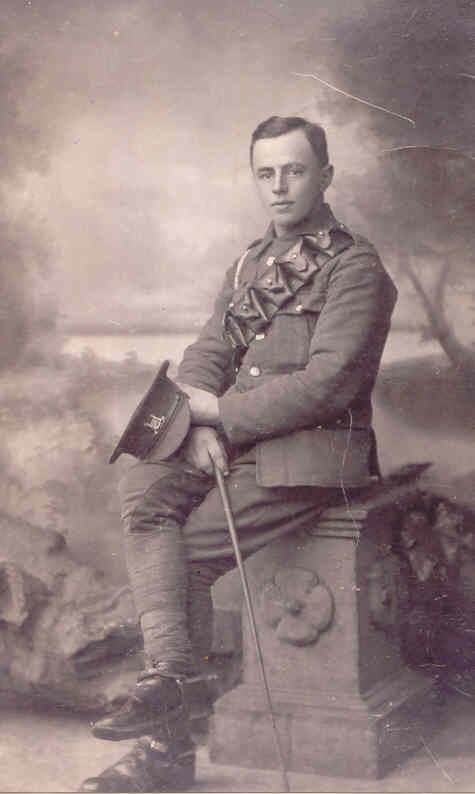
125, 193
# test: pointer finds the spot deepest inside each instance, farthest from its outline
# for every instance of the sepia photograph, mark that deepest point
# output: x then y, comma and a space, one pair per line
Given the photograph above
237, 396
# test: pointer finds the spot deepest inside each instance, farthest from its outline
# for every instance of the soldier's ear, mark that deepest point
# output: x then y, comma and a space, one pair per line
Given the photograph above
327, 176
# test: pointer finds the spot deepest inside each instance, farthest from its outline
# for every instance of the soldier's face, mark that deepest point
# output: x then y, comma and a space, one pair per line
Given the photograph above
289, 179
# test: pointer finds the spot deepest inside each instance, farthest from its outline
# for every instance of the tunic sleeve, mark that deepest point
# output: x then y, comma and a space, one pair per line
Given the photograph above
345, 351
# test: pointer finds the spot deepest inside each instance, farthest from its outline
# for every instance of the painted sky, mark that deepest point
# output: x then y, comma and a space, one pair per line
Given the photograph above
125, 127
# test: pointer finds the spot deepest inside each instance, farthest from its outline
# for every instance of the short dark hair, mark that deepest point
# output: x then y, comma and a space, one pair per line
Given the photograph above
280, 125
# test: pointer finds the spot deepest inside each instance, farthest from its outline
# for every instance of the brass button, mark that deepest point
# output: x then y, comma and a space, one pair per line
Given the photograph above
299, 308
245, 307
255, 372
260, 337
293, 256
231, 304
269, 281
270, 261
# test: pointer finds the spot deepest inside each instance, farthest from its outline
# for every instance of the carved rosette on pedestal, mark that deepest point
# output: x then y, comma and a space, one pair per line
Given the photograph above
296, 605
344, 699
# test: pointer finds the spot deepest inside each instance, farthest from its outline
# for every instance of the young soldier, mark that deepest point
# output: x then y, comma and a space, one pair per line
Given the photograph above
279, 383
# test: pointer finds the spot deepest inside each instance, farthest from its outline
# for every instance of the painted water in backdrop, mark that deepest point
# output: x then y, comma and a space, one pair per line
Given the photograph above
153, 348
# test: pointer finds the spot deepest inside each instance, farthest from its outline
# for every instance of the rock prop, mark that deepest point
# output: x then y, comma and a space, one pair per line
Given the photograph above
20, 593
68, 637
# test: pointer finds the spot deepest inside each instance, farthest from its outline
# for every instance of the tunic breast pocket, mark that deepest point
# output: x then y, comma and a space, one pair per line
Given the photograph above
295, 325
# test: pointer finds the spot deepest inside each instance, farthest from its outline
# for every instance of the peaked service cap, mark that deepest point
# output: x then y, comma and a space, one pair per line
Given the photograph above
159, 423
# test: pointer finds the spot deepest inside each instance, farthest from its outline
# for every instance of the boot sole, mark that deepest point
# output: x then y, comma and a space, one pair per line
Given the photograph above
144, 728
179, 776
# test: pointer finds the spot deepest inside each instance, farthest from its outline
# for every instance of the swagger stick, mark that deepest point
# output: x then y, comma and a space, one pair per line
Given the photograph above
252, 620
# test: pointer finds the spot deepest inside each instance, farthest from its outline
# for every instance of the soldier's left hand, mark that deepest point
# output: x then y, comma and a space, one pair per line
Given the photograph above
204, 450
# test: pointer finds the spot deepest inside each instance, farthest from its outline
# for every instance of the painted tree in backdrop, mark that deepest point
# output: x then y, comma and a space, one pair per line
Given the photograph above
424, 202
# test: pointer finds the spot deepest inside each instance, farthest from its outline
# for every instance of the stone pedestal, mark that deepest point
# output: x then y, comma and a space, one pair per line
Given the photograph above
328, 603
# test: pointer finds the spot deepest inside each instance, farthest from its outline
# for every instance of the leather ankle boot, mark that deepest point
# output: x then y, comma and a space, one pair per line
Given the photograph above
157, 699
151, 766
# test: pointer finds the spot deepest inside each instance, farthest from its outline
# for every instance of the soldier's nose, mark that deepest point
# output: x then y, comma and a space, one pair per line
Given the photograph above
280, 184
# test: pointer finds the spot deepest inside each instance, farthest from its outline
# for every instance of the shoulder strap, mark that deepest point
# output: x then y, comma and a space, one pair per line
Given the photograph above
242, 259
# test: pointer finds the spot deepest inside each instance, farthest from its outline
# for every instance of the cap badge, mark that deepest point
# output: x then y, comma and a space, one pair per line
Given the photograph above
155, 423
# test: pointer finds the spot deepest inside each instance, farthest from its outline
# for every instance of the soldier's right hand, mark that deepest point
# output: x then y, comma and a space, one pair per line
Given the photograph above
203, 405
204, 450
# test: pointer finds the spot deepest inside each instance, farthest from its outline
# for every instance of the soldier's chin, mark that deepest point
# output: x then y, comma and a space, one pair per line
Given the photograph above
286, 220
